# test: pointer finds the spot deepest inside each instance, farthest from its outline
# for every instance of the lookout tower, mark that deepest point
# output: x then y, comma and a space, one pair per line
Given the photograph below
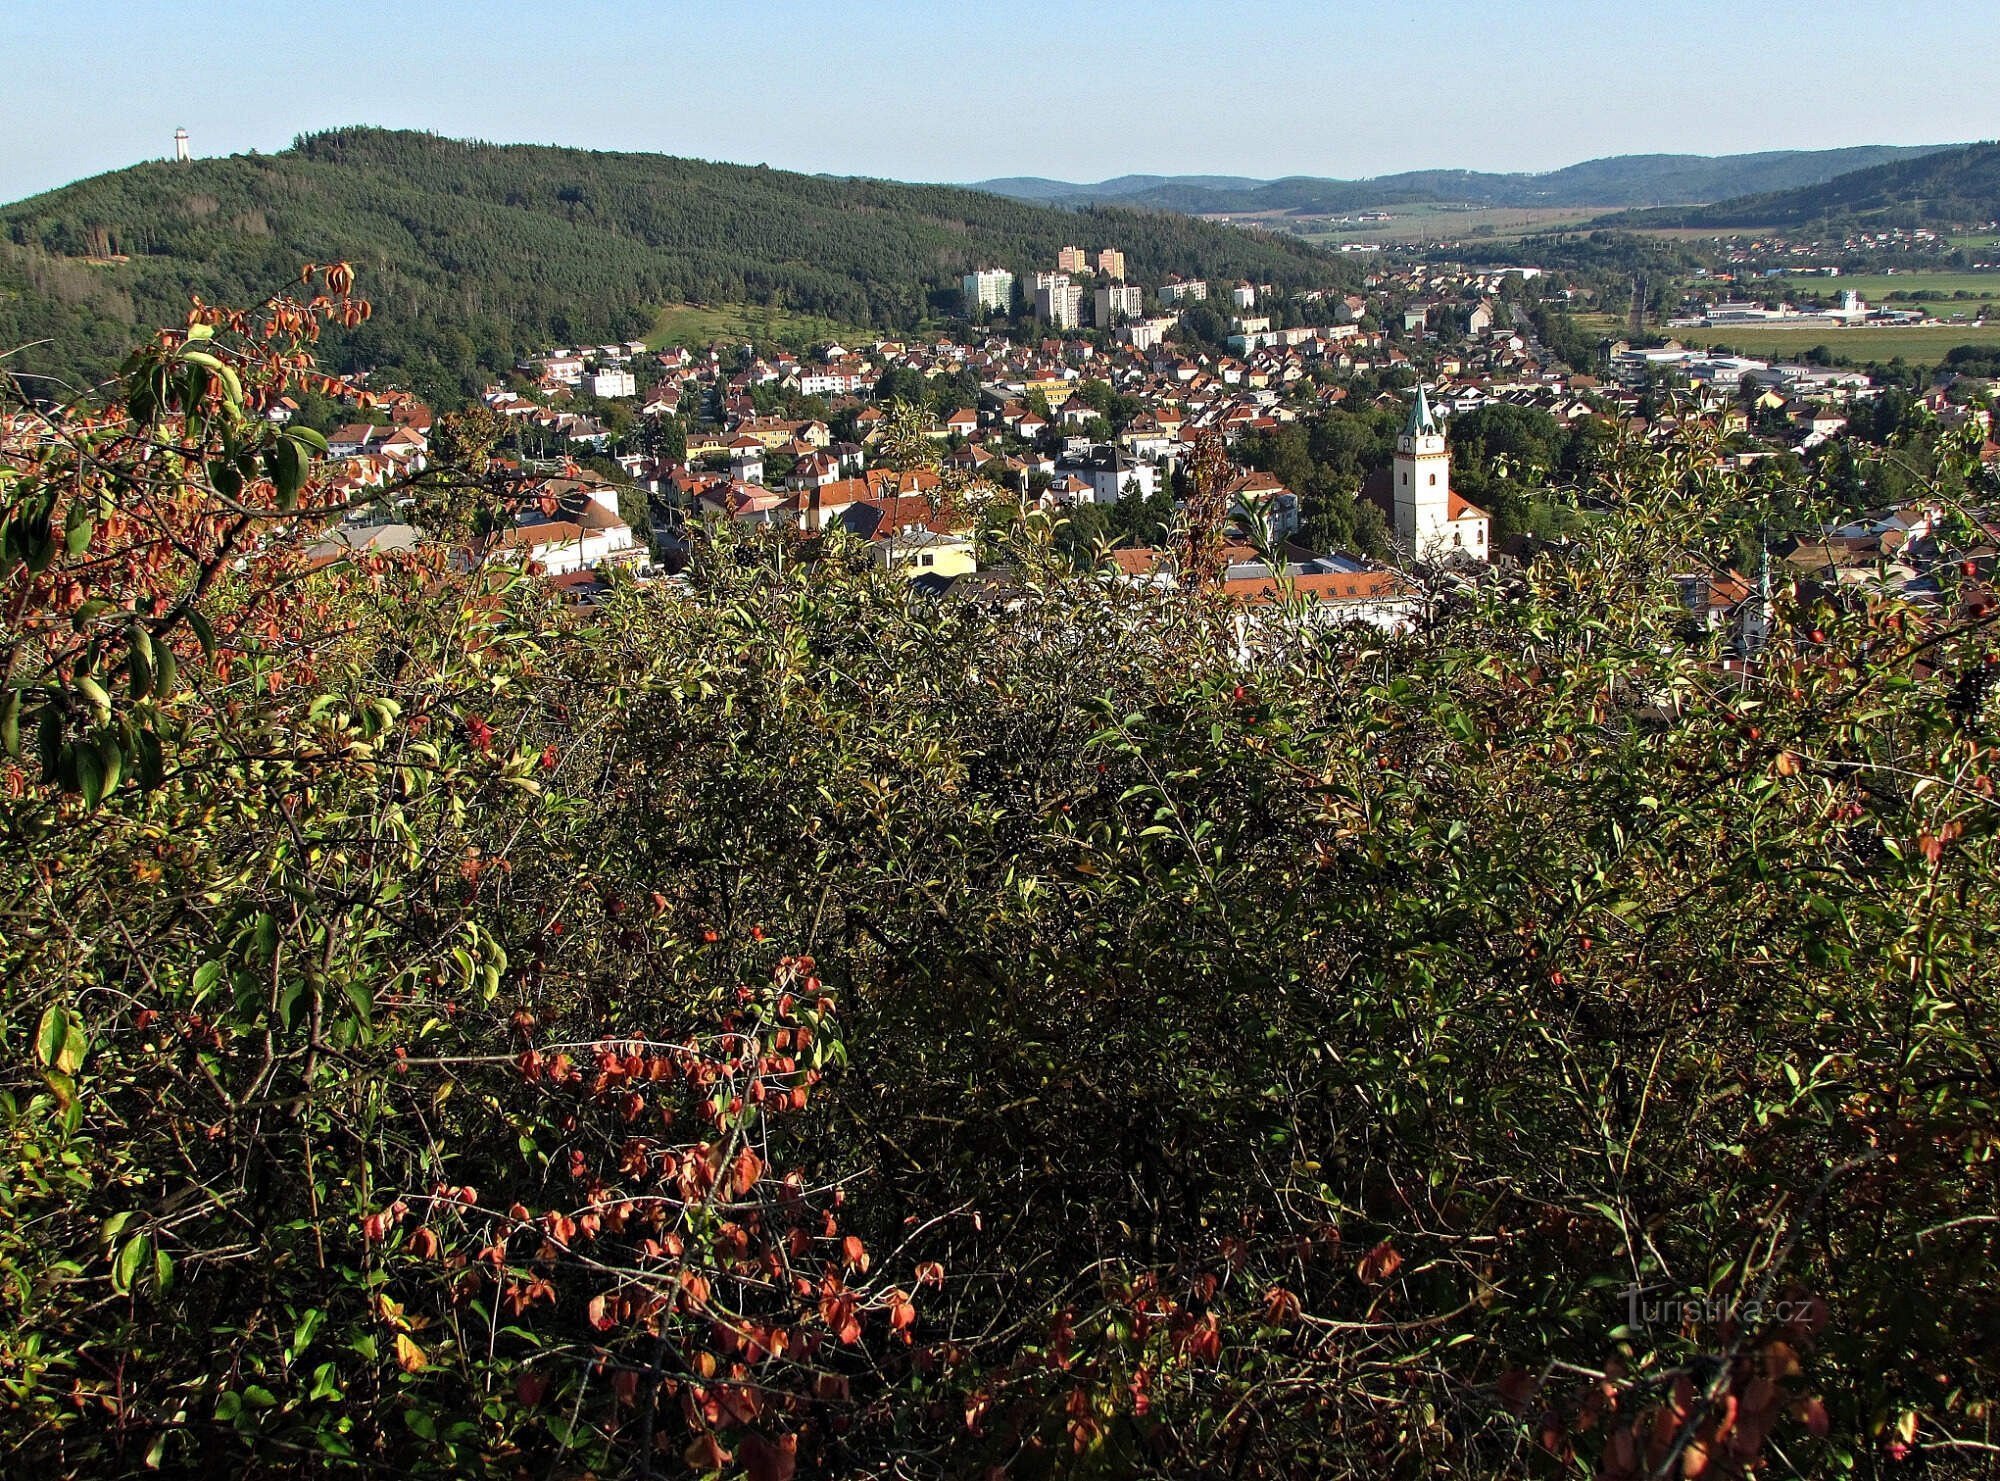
181, 145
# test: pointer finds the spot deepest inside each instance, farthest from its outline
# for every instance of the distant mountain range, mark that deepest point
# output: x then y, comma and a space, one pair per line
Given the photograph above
1624, 180
1959, 184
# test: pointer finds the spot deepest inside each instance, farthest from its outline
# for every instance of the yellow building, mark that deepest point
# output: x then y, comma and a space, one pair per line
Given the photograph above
922, 552
1055, 390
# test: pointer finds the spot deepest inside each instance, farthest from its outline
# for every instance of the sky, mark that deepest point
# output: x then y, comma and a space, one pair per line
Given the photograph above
946, 90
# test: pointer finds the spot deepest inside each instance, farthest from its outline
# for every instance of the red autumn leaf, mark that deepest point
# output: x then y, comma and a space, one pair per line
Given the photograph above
745, 1171
855, 1253
531, 1388
1516, 1387
770, 1460
1379, 1264
705, 1453
902, 1312
1813, 1412
599, 1316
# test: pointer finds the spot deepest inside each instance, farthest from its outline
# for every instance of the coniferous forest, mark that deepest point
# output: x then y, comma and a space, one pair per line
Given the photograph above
477, 253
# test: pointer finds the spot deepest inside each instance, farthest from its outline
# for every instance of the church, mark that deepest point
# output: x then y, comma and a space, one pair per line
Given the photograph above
1431, 522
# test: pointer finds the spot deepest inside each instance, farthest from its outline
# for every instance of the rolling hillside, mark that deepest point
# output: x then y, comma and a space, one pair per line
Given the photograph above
477, 252
1955, 185
1623, 180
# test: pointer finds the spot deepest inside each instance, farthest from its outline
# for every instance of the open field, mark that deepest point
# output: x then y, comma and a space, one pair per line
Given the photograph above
1922, 346
1918, 346
1429, 223
704, 324
1981, 290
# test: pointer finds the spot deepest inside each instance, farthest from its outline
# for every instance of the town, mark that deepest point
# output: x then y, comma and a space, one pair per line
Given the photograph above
1079, 394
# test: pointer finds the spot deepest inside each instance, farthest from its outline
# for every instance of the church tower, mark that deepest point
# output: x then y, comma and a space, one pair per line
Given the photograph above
1422, 486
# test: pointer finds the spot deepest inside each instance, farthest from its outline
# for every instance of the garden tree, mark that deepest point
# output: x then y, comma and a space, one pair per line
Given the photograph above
1097, 395
663, 438
1136, 520
901, 383
798, 1026
1500, 454
1324, 461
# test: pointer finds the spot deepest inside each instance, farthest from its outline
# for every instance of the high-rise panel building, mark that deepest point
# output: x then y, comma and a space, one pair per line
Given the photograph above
989, 289
1111, 262
1058, 300
1117, 302
1072, 260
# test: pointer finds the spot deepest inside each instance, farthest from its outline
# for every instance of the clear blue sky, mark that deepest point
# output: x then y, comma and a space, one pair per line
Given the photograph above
944, 90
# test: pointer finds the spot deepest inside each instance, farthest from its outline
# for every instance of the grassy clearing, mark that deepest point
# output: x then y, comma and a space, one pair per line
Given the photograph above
1918, 346
1441, 223
701, 325
1881, 287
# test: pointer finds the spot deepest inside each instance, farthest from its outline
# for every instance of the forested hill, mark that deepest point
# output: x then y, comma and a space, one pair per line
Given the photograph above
1953, 186
479, 251
1621, 180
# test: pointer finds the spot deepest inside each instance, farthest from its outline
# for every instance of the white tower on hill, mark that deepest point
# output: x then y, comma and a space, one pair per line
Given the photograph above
181, 145
1423, 483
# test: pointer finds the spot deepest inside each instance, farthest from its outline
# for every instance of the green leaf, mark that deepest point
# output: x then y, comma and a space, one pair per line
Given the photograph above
98, 768
286, 464
51, 1033
309, 1324
125, 1268
94, 695
166, 671
78, 527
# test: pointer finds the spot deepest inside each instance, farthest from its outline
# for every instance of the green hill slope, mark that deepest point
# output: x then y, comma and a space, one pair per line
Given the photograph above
1953, 185
482, 251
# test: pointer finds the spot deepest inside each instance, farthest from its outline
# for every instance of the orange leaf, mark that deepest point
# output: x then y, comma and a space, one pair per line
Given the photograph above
770, 1460
1379, 1264
706, 1454
409, 1357
745, 1171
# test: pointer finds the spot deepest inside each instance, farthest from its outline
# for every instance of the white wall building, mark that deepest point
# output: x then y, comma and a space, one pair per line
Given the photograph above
991, 289
1116, 303
1058, 300
1431, 521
